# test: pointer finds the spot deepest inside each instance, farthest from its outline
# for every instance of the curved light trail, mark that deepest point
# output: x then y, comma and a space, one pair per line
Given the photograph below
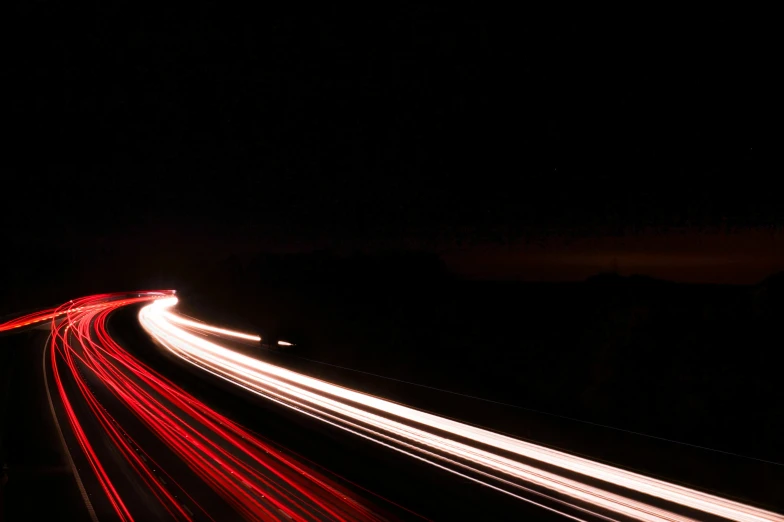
27, 320
256, 480
510, 465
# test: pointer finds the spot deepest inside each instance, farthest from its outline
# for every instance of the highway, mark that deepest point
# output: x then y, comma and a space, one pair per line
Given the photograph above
574, 486
144, 448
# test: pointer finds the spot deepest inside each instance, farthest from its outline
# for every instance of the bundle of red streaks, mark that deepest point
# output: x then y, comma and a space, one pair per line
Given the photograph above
255, 479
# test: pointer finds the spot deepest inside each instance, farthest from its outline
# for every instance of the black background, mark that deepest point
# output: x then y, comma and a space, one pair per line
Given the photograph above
399, 121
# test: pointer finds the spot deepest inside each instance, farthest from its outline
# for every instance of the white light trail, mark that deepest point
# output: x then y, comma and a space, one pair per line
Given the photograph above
196, 325
434, 438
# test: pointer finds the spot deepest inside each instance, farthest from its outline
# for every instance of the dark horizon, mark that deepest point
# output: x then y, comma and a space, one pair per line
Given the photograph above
413, 128
736, 257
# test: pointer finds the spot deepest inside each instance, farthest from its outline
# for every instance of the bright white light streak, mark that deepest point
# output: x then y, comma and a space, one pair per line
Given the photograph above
284, 343
196, 325
323, 400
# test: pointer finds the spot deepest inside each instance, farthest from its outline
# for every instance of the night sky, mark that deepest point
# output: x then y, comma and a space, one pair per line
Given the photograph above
518, 146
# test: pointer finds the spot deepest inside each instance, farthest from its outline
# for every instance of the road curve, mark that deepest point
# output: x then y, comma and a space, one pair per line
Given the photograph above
145, 447
140, 440
576, 486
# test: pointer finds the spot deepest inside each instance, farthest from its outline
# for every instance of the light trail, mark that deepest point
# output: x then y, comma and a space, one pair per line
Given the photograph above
207, 328
496, 460
254, 479
34, 318
79, 305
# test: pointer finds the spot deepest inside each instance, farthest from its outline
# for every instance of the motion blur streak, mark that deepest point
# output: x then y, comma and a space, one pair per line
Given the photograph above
205, 327
74, 306
492, 459
256, 480
34, 318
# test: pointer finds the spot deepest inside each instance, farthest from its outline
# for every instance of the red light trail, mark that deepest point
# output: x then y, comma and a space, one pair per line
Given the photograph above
258, 481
